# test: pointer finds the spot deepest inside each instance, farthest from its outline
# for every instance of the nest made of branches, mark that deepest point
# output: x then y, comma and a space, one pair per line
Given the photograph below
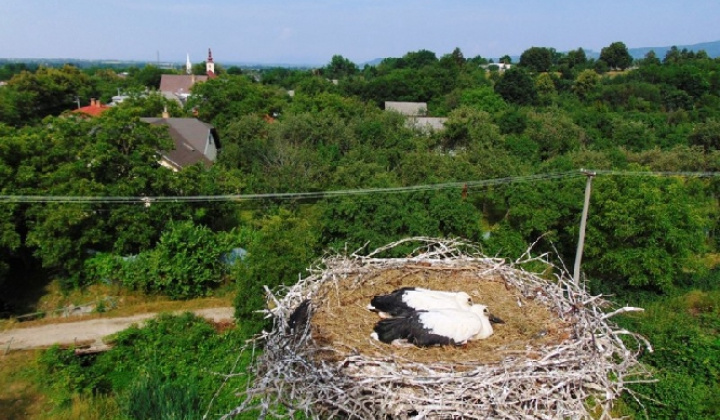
557, 356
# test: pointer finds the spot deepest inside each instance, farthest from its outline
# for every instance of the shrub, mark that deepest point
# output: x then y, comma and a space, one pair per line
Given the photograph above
686, 360
172, 368
186, 263
281, 252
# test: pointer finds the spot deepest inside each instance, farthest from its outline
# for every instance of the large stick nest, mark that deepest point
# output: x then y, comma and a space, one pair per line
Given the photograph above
557, 355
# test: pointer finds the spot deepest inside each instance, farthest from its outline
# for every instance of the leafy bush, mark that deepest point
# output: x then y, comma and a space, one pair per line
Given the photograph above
186, 263
686, 360
167, 369
69, 375
282, 250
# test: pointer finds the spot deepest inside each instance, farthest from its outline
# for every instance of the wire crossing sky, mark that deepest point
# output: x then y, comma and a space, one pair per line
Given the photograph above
5, 199
311, 32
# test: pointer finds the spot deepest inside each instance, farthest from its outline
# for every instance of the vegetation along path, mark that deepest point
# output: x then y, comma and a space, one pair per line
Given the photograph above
90, 331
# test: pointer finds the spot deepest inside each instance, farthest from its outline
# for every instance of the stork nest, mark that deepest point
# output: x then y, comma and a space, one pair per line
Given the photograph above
557, 355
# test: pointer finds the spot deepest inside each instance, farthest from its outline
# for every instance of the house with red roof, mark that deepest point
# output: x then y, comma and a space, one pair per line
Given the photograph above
93, 110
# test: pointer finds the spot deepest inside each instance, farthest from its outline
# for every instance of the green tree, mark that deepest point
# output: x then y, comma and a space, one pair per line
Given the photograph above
225, 98
148, 76
483, 98
186, 263
373, 221
576, 58
419, 59
48, 91
554, 132
650, 59
645, 231
466, 126
537, 59
285, 245
339, 68
546, 90
616, 55
707, 135
586, 84
517, 86
201, 69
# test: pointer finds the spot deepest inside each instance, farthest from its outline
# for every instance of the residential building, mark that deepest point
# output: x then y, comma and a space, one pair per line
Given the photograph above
93, 110
195, 142
178, 86
415, 113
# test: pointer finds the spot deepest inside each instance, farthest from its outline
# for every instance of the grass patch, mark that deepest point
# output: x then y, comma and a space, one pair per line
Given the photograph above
21, 392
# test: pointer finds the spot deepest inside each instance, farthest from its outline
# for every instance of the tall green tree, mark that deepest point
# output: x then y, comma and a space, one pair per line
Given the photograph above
48, 91
586, 84
537, 59
517, 86
616, 55
225, 98
646, 232
339, 68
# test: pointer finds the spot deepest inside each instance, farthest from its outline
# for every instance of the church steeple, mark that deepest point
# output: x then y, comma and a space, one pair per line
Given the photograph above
188, 66
210, 65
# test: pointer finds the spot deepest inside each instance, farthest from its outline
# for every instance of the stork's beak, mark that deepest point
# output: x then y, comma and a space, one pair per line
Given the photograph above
495, 320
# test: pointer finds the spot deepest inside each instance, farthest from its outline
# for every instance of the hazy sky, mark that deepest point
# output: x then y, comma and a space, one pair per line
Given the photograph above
311, 32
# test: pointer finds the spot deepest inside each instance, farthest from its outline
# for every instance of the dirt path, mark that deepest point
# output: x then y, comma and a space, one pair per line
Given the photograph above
92, 330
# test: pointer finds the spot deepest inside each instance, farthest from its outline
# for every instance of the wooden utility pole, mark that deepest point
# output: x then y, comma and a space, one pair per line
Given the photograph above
583, 222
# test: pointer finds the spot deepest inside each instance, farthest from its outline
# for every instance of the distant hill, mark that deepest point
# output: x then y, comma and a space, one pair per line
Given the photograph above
711, 48
374, 62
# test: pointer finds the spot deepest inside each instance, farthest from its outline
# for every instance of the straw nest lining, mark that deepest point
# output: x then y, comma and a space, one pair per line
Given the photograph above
557, 356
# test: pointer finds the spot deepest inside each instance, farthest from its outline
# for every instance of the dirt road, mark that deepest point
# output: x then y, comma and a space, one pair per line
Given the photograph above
92, 330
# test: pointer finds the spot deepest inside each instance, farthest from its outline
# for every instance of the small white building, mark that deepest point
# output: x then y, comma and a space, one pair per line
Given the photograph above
416, 115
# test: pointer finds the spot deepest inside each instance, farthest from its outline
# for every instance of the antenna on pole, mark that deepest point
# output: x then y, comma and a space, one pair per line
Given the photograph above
583, 222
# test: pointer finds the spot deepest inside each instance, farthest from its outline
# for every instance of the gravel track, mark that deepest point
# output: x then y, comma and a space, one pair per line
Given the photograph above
89, 331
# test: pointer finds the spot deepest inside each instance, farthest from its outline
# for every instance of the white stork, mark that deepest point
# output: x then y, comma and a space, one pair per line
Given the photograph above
409, 299
438, 326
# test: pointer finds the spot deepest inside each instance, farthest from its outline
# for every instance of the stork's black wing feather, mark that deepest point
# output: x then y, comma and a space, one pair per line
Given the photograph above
300, 316
392, 303
391, 329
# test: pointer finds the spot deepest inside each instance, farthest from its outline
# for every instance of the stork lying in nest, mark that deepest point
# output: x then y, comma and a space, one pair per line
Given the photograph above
425, 317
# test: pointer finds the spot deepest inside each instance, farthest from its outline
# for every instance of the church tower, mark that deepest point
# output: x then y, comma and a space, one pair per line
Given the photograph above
210, 65
188, 65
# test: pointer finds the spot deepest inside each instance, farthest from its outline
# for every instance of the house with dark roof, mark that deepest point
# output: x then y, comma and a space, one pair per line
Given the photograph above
195, 142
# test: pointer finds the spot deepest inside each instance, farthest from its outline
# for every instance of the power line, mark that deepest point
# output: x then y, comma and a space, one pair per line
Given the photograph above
277, 196
336, 193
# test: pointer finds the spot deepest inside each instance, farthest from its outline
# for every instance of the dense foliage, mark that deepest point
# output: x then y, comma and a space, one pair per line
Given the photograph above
334, 170
686, 360
164, 370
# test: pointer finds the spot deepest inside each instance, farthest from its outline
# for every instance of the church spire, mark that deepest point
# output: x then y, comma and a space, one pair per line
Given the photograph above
188, 66
210, 65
